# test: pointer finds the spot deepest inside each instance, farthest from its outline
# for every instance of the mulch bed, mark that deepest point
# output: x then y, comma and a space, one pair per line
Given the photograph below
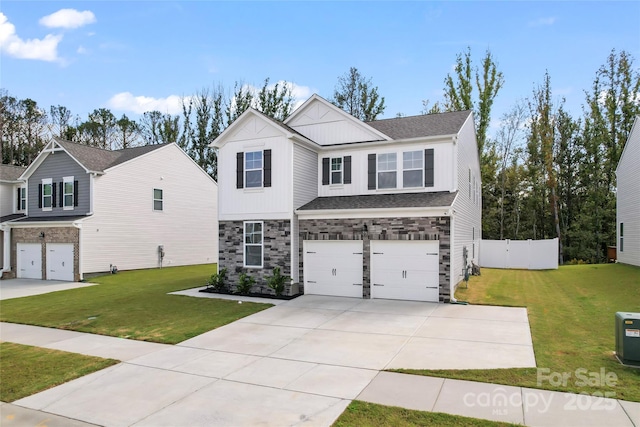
251, 294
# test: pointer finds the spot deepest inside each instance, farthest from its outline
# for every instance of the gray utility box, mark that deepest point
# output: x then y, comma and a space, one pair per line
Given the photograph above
628, 338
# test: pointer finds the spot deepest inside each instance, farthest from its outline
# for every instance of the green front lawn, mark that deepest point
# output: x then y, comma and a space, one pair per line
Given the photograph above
25, 370
571, 313
133, 304
364, 414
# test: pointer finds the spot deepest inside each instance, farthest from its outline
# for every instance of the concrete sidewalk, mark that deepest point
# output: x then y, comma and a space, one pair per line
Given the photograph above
18, 288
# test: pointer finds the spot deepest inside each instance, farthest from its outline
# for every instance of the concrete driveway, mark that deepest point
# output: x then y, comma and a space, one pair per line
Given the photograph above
18, 288
298, 363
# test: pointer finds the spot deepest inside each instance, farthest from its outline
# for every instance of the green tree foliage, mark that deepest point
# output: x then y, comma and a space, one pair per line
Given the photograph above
24, 129
356, 95
127, 132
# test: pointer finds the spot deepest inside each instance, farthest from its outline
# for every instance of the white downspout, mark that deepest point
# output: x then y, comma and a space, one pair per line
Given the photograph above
6, 255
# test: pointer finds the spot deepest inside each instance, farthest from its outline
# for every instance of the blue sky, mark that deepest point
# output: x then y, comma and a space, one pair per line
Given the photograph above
135, 55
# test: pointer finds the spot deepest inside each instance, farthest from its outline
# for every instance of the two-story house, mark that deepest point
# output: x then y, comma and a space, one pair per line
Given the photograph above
89, 210
13, 199
384, 209
628, 199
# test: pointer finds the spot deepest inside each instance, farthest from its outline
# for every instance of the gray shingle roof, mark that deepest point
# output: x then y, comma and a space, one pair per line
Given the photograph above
10, 217
10, 172
97, 159
51, 218
375, 201
423, 125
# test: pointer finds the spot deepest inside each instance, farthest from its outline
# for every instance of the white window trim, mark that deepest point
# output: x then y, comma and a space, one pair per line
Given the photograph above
23, 198
244, 244
47, 181
161, 200
331, 171
261, 169
66, 180
378, 171
421, 169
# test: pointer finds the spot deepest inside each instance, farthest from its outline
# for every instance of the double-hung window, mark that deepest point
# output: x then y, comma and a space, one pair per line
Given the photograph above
47, 194
22, 198
253, 169
253, 244
387, 170
412, 169
336, 170
621, 237
158, 199
67, 193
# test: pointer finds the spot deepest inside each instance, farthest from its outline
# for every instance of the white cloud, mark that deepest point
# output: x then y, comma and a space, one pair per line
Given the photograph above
45, 49
543, 22
68, 18
82, 50
126, 101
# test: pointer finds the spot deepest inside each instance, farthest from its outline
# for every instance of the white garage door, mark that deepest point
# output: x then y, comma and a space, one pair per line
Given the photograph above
406, 270
60, 261
333, 267
29, 260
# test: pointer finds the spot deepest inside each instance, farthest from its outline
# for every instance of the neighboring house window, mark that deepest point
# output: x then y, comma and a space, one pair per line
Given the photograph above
67, 192
621, 237
412, 169
469, 183
253, 244
46, 195
387, 170
22, 199
336, 170
253, 169
158, 199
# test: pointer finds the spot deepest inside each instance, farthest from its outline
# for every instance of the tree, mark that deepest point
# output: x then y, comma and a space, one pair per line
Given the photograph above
158, 128
60, 121
99, 129
356, 95
127, 133
275, 101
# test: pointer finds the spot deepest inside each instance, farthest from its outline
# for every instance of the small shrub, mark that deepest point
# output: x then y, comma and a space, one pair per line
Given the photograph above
576, 262
218, 281
277, 281
245, 284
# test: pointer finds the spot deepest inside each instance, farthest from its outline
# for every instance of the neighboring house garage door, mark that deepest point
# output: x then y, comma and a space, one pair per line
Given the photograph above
333, 267
29, 260
60, 261
405, 270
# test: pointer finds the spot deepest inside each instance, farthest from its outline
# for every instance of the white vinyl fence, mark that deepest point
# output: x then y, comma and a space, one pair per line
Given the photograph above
522, 254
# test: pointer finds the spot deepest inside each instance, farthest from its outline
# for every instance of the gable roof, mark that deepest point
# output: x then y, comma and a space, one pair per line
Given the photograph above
92, 159
382, 201
11, 173
423, 125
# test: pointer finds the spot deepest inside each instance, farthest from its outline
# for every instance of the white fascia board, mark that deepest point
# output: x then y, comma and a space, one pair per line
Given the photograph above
304, 142
634, 128
375, 213
437, 139
220, 141
50, 148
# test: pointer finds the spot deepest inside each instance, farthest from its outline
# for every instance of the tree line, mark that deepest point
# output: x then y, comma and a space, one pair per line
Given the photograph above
545, 173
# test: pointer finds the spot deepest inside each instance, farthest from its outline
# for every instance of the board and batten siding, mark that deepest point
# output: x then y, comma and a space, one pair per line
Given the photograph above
467, 219
443, 173
305, 175
628, 198
125, 230
274, 202
56, 166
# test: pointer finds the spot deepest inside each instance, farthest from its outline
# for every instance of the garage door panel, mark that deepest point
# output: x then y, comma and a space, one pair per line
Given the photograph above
29, 260
333, 268
60, 261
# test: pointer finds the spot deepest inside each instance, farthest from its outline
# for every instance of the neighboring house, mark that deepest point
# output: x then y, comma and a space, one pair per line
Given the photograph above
89, 209
628, 199
13, 199
385, 209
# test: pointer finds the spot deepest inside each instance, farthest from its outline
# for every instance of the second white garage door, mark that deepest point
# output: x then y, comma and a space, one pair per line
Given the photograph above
333, 267
407, 270
60, 261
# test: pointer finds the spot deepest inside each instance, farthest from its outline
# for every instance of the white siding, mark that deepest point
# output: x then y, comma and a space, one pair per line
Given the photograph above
628, 198
443, 172
466, 221
7, 198
273, 202
305, 176
126, 231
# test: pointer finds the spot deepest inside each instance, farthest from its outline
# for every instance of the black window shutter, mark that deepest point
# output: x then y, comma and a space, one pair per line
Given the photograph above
61, 194
18, 198
325, 171
347, 169
39, 195
53, 194
428, 167
372, 171
75, 193
267, 168
240, 170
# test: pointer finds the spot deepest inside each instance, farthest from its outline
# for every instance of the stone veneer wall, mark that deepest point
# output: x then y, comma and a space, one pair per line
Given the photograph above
51, 235
432, 228
276, 236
